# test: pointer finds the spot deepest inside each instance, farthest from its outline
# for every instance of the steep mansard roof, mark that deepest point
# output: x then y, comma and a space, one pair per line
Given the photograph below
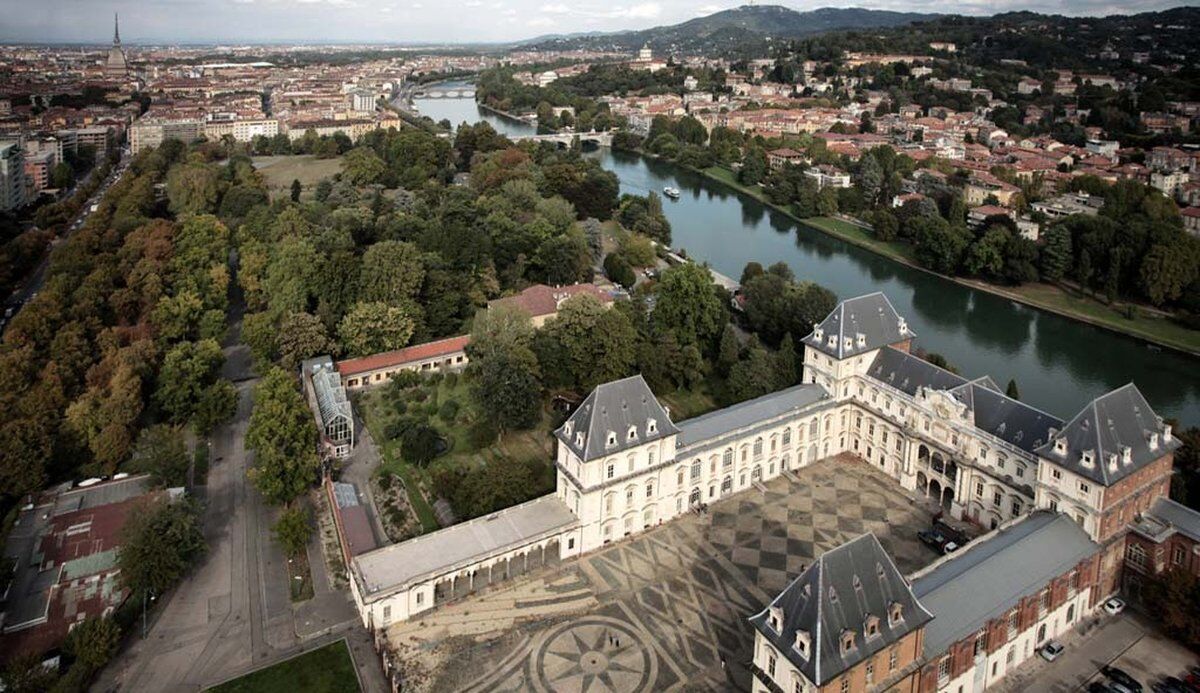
835, 598
624, 412
1115, 435
859, 325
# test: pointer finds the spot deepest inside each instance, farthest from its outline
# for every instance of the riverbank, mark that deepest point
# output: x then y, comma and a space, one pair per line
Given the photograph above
1145, 325
531, 122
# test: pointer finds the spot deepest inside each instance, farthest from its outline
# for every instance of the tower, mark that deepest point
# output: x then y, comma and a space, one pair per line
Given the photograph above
116, 67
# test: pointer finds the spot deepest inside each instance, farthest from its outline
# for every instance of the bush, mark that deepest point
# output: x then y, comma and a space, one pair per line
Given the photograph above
483, 433
399, 406
619, 271
419, 444
405, 379
448, 410
451, 380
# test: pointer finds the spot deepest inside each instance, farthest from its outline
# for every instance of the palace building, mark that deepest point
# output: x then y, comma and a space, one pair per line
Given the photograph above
1061, 496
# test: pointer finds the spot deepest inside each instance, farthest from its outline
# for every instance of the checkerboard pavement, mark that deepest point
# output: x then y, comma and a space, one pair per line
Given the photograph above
679, 595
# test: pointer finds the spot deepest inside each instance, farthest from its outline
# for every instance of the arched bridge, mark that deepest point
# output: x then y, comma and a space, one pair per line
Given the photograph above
603, 139
468, 93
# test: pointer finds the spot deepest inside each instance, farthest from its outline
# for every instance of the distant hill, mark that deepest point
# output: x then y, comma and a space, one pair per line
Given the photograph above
725, 29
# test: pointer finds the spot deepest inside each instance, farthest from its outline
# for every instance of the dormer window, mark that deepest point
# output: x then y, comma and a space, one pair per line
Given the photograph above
568, 427
579, 439
847, 343
1166, 433
803, 643
818, 333
775, 618
632, 435
1060, 446
612, 439
895, 613
847, 640
871, 626
1152, 440
1087, 459
1112, 461
1126, 454
860, 339
832, 341
903, 326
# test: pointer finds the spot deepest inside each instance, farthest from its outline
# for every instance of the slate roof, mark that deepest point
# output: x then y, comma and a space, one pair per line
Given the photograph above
858, 325
749, 413
615, 408
1166, 517
1008, 419
993, 574
909, 373
1106, 427
837, 594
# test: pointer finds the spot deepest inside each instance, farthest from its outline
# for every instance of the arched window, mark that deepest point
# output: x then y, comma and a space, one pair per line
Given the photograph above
813, 428
727, 458
787, 437
758, 448
679, 477
650, 488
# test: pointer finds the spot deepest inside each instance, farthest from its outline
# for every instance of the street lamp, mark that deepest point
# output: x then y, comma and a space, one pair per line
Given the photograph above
144, 596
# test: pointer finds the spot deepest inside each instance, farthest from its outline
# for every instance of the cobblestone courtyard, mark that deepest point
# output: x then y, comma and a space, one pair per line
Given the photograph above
667, 609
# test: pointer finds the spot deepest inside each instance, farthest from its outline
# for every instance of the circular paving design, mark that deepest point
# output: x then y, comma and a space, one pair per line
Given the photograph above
593, 655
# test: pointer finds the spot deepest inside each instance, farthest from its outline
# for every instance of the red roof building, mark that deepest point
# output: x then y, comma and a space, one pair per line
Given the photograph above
441, 355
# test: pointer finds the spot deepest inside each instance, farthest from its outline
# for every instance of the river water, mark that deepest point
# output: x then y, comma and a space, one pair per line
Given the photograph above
1059, 364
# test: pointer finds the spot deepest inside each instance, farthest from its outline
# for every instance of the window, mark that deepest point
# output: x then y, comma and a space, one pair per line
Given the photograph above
1044, 602
387, 612
652, 426
944, 669
979, 489
612, 438
1083, 488
608, 503
771, 665
1012, 625
1016, 507
571, 543
649, 489
787, 437
870, 673
892, 657
695, 470
679, 478
758, 448
872, 626
847, 641
629, 496
1055, 473
980, 643
997, 498
1008, 656
1177, 555
650, 458
1020, 470
1136, 556
845, 686
611, 468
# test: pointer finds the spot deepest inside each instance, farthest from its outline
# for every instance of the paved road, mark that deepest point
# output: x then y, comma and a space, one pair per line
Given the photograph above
233, 613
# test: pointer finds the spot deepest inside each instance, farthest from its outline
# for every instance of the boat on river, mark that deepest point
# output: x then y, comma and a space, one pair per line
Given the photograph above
671, 192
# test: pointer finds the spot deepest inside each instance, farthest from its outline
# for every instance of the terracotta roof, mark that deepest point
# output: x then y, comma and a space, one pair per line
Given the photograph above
417, 352
540, 299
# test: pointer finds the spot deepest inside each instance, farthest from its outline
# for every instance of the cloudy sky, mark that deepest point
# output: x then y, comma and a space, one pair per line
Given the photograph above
420, 21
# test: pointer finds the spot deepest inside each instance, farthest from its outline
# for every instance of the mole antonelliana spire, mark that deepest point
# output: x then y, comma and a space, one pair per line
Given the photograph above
116, 67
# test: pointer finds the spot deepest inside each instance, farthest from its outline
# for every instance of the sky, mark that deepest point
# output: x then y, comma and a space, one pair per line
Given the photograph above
423, 21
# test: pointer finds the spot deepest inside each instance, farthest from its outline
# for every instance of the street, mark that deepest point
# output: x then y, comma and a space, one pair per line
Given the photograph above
233, 612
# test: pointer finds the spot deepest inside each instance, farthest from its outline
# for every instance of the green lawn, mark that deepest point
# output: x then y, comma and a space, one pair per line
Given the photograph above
329, 668
280, 171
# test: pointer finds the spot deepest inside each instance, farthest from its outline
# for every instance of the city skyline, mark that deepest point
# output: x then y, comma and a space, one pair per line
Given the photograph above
418, 22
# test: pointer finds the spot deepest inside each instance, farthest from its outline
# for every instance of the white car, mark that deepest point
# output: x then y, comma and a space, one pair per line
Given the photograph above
1051, 650
1114, 606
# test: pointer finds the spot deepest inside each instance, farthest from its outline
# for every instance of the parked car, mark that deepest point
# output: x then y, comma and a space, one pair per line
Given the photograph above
1170, 684
1122, 677
951, 531
1114, 606
937, 541
1051, 650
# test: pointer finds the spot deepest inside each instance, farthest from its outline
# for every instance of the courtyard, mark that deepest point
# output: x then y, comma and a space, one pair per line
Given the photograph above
666, 609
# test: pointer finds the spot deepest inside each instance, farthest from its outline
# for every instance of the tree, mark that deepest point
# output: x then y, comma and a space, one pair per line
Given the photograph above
504, 372
62, 176
160, 452
729, 350
293, 529
690, 305
188, 369
940, 246
217, 405
392, 272
754, 167
1056, 253
787, 370
619, 271
93, 641
373, 327
283, 437
419, 443
362, 166
25, 674
637, 250
301, 336
296, 189
1173, 598
1167, 270
159, 543
193, 188
752, 376
590, 344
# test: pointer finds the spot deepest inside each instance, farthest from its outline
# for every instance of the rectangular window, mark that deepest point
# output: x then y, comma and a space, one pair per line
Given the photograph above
771, 665
610, 471
571, 543
387, 612
1083, 488
1055, 473
892, 659
870, 670
997, 498
944, 669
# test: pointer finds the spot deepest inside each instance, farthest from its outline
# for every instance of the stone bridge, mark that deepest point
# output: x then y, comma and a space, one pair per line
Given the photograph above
603, 139
466, 93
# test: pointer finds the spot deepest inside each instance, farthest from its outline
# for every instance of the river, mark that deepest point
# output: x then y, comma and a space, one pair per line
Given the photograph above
1059, 364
